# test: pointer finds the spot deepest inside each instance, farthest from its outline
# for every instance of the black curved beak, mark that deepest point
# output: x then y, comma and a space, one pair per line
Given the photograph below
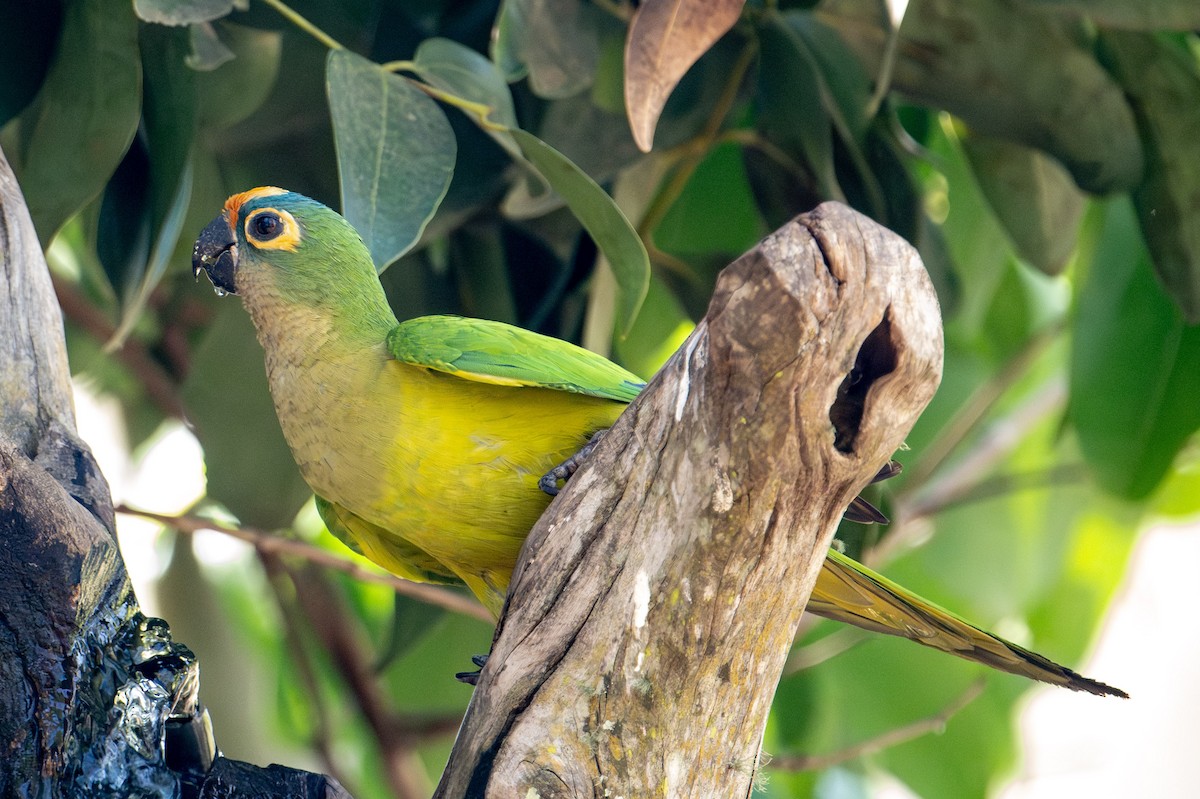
216, 253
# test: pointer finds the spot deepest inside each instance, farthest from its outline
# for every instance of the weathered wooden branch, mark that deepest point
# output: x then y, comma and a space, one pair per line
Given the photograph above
95, 699
656, 600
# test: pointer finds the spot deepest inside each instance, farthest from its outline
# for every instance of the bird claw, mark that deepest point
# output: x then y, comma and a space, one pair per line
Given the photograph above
564, 471
864, 512
472, 677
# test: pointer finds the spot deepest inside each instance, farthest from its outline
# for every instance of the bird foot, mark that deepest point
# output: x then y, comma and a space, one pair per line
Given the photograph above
564, 470
472, 677
864, 512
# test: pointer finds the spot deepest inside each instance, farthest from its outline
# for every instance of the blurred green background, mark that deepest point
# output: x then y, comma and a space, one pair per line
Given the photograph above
1040, 154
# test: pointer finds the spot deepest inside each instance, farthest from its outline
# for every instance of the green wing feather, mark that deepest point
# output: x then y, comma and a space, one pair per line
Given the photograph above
493, 352
848, 591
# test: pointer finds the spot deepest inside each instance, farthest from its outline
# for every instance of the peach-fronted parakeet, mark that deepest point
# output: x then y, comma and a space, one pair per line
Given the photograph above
425, 440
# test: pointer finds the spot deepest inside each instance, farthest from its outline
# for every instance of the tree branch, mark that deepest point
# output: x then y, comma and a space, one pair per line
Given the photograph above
934, 723
160, 387
270, 543
655, 602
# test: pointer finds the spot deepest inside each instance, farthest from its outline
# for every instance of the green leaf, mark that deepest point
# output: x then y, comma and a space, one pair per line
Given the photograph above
596, 141
1033, 197
74, 135
208, 51
422, 679
715, 213
974, 238
165, 241
1176, 15
168, 124
608, 88
792, 112
395, 153
235, 90
555, 43
182, 12
123, 228
845, 86
1162, 80
887, 162
411, 621
935, 254
459, 70
506, 42
603, 221
845, 93
28, 34
1025, 77
1179, 495
249, 467
1134, 375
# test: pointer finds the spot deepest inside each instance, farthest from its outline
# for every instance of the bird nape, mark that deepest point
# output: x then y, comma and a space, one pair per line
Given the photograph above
425, 440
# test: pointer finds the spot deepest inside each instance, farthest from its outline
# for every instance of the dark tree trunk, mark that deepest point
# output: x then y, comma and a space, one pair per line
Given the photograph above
95, 699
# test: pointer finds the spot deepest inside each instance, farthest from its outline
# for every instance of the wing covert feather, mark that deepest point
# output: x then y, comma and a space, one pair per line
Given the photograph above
501, 354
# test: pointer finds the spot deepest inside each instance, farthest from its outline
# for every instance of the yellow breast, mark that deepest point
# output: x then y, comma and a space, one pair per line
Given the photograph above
450, 465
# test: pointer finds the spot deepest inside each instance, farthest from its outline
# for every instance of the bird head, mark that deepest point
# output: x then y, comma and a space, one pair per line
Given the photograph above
273, 241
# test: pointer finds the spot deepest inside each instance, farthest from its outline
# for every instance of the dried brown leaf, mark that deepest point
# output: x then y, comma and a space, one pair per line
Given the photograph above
665, 38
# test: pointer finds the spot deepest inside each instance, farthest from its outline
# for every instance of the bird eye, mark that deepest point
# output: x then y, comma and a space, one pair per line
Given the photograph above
265, 226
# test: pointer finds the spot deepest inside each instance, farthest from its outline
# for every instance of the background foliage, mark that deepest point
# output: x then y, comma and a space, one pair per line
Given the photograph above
1039, 153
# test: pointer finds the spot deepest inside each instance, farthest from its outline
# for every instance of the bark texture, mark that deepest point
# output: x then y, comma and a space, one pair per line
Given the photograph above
95, 699
656, 600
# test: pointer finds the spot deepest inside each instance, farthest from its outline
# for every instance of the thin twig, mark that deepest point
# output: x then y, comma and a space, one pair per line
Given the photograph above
816, 653
693, 152
1003, 484
303, 24
951, 484
329, 619
908, 732
160, 388
751, 139
969, 415
275, 544
322, 734
883, 82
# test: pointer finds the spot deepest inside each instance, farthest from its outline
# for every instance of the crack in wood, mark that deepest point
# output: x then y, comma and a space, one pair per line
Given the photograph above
876, 358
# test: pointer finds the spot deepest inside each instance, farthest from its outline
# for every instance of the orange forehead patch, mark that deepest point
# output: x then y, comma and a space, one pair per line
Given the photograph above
234, 203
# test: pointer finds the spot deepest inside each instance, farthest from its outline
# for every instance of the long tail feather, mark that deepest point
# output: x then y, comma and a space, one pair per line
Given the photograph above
849, 592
